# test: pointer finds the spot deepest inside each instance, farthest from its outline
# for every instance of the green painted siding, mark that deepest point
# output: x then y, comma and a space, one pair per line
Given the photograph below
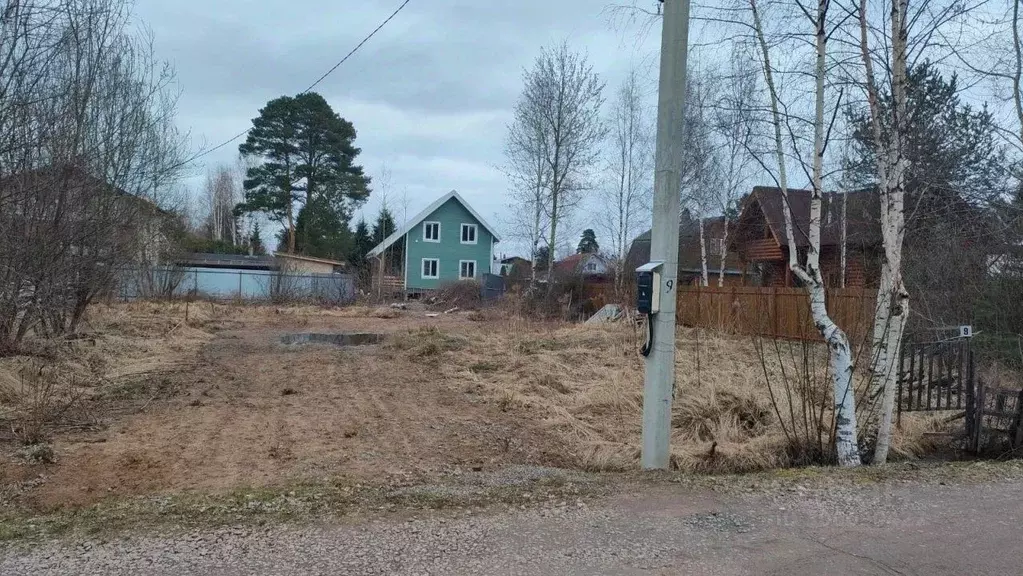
450, 250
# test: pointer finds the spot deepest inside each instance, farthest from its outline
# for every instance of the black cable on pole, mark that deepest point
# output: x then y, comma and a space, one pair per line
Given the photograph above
311, 86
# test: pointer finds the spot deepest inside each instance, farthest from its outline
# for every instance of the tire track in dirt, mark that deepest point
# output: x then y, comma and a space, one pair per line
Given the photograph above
253, 412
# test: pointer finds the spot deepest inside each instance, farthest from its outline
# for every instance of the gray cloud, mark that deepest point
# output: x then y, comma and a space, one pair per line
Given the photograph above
430, 95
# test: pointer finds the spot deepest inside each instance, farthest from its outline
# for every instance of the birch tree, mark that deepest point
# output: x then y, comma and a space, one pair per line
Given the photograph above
733, 126
563, 96
892, 310
840, 352
526, 168
627, 194
701, 164
220, 196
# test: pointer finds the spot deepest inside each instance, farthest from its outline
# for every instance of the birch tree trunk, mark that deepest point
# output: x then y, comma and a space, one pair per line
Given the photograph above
840, 352
845, 235
724, 254
551, 240
1017, 72
892, 310
535, 235
704, 277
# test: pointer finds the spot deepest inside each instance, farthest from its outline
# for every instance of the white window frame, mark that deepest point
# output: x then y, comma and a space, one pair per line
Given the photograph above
422, 266
475, 234
426, 226
474, 270
591, 267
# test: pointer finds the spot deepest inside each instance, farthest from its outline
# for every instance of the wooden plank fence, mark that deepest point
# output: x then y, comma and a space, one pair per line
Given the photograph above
771, 312
774, 312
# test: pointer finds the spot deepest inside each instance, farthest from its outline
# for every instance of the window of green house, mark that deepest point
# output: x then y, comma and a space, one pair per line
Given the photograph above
431, 267
431, 231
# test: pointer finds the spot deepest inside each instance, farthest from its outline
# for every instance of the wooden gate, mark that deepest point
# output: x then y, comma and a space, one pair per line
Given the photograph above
935, 376
940, 376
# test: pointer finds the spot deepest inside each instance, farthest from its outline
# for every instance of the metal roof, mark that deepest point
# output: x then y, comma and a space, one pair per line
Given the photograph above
379, 248
258, 262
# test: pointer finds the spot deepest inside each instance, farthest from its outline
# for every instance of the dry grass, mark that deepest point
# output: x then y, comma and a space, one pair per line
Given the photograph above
584, 384
492, 389
122, 356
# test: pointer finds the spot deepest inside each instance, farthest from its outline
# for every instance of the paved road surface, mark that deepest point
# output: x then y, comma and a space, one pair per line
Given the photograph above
906, 529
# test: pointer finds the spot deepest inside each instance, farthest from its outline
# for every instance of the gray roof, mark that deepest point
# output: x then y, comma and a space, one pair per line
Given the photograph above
258, 262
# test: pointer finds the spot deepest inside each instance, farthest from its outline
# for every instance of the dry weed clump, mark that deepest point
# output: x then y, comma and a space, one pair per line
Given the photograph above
35, 397
122, 354
385, 313
585, 384
426, 342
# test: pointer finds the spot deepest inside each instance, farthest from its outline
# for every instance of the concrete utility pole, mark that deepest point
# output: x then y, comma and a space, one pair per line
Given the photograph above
659, 383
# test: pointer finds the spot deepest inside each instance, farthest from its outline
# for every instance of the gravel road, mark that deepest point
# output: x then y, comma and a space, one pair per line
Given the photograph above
907, 528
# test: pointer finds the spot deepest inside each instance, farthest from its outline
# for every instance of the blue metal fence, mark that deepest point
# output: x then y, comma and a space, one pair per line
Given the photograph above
270, 285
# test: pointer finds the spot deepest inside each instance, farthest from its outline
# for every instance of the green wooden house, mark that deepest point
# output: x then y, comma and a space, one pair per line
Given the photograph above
446, 242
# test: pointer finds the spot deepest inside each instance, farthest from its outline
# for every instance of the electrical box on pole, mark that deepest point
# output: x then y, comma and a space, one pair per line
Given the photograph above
648, 284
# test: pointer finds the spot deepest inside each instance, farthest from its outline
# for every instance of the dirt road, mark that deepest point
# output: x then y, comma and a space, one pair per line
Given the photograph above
890, 528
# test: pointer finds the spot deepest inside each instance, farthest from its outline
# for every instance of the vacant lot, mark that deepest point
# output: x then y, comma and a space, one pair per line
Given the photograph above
175, 397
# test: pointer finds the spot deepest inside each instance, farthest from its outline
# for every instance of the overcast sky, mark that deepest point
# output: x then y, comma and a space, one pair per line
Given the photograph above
430, 95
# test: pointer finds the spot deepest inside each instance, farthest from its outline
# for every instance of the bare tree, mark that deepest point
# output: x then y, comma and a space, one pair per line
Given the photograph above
627, 193
563, 96
701, 161
892, 309
87, 152
220, 196
840, 351
527, 169
733, 125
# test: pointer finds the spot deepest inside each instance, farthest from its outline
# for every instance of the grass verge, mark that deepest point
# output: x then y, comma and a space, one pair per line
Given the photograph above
299, 503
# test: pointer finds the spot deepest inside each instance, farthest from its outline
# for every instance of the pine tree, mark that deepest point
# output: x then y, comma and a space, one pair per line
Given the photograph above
362, 243
307, 156
384, 226
320, 232
256, 240
588, 244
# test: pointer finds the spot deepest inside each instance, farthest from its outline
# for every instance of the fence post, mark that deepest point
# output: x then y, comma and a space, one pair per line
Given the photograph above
240, 276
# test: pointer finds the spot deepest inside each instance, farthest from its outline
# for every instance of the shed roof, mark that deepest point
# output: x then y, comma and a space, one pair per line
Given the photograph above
379, 248
308, 259
240, 261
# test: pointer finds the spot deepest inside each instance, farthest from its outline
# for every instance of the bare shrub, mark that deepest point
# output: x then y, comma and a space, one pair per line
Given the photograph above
42, 399
87, 152
800, 398
283, 287
153, 282
465, 294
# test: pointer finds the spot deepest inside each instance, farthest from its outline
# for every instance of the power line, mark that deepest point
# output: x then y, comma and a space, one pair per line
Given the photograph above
311, 86
354, 50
